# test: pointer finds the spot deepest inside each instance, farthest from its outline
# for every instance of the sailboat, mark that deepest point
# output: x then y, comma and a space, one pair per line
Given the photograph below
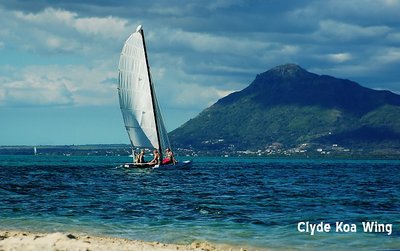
138, 101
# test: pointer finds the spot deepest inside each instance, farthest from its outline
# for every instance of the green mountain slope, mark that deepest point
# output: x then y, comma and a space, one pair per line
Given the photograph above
291, 106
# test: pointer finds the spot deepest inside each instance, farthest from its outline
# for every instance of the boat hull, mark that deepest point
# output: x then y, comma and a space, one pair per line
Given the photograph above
147, 165
136, 165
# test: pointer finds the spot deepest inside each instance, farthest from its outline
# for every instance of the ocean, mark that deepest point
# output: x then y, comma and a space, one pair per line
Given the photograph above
258, 203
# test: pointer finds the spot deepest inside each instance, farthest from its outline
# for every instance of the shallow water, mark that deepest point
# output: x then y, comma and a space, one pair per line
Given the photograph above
254, 202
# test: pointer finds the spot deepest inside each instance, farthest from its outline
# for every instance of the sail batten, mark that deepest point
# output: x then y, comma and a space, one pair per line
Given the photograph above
138, 103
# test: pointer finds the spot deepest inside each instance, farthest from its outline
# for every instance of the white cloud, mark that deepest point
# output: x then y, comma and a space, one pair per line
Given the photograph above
228, 69
108, 27
343, 71
34, 89
206, 42
56, 30
81, 72
2, 95
391, 3
58, 85
57, 19
355, 11
340, 31
289, 49
191, 94
216, 4
339, 57
388, 55
25, 93
166, 10
394, 37
49, 16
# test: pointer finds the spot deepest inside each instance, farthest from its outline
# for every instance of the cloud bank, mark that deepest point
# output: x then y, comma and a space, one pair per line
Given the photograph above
65, 53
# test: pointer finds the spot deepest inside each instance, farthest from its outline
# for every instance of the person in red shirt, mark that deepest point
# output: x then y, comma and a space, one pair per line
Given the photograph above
169, 157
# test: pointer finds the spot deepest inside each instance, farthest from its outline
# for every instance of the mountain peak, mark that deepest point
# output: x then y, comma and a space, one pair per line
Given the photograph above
287, 69
283, 76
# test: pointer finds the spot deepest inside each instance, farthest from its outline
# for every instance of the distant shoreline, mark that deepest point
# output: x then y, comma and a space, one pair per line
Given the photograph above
125, 150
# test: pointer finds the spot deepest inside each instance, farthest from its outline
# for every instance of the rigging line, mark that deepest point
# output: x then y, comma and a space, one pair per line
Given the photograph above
161, 115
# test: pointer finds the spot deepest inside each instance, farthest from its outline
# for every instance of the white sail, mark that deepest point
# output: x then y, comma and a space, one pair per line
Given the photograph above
139, 107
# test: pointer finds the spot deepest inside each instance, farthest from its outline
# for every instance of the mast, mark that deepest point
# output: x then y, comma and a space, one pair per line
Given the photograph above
153, 100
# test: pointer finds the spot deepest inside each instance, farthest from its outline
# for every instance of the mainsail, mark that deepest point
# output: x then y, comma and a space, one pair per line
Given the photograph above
137, 98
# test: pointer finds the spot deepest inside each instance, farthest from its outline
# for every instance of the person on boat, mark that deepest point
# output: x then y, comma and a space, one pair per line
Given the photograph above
140, 157
169, 157
156, 159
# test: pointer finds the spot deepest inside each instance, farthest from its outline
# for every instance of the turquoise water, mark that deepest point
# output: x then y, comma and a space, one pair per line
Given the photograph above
252, 202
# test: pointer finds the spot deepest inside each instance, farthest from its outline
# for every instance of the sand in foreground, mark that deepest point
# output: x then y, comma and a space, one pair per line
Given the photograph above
26, 241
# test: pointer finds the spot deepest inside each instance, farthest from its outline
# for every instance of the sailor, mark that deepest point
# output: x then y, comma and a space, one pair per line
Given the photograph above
140, 157
169, 157
156, 159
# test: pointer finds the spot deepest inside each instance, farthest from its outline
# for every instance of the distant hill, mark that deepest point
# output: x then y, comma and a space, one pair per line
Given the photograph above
290, 106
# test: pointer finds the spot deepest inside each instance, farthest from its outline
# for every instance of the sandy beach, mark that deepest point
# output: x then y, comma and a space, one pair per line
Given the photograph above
27, 241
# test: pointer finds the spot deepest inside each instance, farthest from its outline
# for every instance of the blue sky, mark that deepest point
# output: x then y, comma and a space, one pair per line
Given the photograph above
58, 59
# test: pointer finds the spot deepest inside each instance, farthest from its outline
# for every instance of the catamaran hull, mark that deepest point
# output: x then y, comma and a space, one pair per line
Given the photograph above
134, 165
146, 165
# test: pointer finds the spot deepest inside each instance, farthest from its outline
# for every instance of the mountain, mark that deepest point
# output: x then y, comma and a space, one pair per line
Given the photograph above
291, 106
